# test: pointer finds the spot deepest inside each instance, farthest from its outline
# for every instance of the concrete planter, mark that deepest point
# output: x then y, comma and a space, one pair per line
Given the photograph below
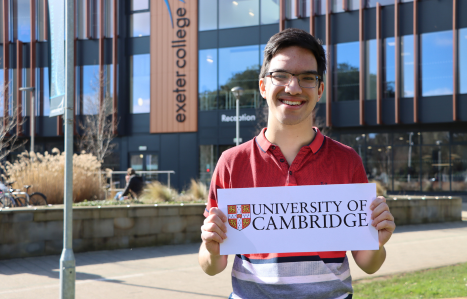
425, 209
26, 232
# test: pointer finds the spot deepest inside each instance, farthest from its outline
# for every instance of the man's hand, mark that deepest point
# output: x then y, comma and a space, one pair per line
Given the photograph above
213, 230
383, 220
213, 233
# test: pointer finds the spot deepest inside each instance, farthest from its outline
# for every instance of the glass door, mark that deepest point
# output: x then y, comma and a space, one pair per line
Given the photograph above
145, 162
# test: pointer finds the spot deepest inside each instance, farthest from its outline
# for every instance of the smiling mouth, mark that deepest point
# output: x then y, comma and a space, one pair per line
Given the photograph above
292, 103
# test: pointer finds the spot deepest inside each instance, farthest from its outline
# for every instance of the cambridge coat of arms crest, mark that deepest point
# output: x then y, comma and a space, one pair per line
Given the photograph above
239, 216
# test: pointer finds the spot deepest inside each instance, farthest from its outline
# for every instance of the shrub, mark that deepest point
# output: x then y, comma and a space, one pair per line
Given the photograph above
156, 192
46, 175
198, 190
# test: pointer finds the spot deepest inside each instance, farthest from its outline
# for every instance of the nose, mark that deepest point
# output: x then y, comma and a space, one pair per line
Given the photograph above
293, 87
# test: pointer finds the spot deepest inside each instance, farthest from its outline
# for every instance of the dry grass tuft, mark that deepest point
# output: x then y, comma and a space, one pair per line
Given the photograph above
156, 192
198, 190
46, 175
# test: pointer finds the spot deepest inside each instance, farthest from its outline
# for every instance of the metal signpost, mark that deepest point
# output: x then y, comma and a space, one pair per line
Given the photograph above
33, 114
67, 260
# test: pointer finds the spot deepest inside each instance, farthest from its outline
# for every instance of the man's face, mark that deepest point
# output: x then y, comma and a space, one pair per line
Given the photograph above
291, 104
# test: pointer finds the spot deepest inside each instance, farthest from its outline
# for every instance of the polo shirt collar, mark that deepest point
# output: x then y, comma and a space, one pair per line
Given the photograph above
315, 145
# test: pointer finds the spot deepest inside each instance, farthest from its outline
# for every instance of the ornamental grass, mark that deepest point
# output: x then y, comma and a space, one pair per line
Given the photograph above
46, 175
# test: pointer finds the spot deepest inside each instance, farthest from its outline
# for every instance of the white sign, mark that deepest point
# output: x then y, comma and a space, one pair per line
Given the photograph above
243, 117
298, 219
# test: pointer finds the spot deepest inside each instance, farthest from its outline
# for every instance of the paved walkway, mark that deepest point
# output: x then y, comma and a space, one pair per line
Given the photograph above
173, 271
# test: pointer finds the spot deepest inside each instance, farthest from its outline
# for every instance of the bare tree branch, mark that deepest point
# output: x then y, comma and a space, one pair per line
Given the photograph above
97, 127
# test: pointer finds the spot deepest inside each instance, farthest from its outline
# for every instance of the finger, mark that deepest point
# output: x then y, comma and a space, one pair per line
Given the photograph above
377, 201
379, 209
383, 216
390, 226
212, 227
211, 237
215, 219
216, 211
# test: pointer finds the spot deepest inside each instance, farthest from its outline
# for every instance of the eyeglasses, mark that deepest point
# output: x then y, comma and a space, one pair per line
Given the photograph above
284, 78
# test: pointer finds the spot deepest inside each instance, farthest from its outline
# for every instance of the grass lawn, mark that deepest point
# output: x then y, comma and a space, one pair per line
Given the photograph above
445, 282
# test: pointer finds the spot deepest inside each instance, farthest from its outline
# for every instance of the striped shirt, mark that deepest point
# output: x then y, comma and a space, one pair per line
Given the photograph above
258, 163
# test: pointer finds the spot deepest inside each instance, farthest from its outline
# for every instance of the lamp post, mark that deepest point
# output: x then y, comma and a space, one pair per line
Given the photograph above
238, 92
33, 114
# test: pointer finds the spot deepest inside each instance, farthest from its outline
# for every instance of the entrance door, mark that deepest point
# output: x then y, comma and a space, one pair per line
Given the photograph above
145, 162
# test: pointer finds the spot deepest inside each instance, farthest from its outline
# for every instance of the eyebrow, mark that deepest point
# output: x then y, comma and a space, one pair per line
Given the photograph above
305, 72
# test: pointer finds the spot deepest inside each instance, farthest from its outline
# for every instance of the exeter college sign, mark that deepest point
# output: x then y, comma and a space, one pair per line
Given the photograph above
174, 66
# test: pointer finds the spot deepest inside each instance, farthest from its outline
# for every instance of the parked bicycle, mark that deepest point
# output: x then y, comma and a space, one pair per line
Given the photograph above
8, 200
17, 198
33, 199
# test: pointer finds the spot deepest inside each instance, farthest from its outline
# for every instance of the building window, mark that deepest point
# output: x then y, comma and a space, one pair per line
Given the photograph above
25, 95
459, 167
303, 9
337, 6
407, 168
407, 66
371, 69
239, 66
44, 92
40, 13
346, 82
88, 88
81, 19
109, 17
372, 3
462, 60
389, 72
207, 79
207, 15
207, 162
379, 159
320, 7
140, 18
21, 23
270, 11
436, 63
2, 96
140, 84
238, 13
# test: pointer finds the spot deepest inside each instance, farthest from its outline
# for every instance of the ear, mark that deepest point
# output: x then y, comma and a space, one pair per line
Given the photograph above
320, 90
262, 87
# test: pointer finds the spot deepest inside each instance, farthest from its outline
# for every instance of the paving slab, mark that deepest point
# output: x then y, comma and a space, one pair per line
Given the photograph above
173, 271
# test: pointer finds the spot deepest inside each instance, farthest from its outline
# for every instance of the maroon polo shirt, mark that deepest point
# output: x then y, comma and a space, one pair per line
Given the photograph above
259, 163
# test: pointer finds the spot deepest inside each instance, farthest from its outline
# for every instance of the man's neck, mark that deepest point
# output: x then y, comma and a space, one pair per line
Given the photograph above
290, 138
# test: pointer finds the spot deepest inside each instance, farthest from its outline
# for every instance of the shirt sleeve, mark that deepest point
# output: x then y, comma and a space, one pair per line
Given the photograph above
359, 175
220, 179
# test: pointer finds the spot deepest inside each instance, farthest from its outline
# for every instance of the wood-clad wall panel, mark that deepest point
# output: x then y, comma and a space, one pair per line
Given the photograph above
174, 108
19, 83
455, 45
415, 61
32, 59
6, 64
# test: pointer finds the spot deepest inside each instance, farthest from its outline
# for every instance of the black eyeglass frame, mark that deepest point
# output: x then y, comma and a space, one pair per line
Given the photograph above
269, 74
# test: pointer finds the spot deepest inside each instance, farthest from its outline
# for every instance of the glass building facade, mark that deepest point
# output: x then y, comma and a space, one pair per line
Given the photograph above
417, 149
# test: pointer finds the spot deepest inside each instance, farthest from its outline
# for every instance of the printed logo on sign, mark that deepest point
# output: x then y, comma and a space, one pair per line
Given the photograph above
239, 216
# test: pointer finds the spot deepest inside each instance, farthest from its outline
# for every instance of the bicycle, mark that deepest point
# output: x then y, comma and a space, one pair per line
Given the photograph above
33, 199
7, 200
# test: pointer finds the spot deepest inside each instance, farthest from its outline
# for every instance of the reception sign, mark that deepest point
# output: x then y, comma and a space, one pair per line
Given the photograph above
298, 219
174, 66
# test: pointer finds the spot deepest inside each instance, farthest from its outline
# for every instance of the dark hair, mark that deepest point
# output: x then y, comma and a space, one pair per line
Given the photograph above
130, 171
294, 37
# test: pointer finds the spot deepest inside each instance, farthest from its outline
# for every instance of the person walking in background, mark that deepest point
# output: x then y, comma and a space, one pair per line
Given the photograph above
134, 185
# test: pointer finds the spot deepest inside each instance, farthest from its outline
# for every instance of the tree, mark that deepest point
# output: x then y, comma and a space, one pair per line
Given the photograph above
9, 127
97, 127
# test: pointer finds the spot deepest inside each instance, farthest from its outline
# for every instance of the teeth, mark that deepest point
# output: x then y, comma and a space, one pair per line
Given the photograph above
291, 103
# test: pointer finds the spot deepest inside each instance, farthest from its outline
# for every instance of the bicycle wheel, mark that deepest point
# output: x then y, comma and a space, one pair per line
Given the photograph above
37, 199
6, 201
21, 201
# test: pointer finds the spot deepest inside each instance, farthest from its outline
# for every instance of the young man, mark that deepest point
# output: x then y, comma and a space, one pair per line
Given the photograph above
290, 152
